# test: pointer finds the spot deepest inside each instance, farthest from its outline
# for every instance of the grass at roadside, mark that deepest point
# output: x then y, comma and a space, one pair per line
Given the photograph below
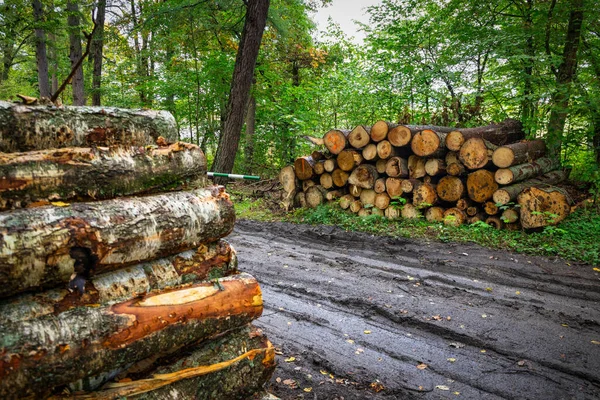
577, 238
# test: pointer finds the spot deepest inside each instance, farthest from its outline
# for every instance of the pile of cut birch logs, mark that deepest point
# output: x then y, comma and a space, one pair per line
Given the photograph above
115, 281
457, 176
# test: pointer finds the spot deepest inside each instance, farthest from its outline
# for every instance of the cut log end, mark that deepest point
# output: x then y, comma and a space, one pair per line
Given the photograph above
359, 137
379, 131
399, 136
426, 142
335, 141
454, 140
481, 185
503, 157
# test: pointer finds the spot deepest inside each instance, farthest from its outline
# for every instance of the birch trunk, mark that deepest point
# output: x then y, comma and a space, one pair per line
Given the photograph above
96, 173
36, 245
27, 128
85, 341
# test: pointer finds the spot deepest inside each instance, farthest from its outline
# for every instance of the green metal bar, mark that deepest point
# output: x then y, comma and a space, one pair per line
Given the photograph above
234, 176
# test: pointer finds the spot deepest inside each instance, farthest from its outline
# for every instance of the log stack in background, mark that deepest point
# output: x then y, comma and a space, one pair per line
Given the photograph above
115, 280
457, 176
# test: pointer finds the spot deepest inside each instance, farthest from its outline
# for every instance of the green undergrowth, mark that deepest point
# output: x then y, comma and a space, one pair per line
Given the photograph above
577, 238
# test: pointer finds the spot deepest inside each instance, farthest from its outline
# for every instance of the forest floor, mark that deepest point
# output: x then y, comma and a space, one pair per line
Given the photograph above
356, 316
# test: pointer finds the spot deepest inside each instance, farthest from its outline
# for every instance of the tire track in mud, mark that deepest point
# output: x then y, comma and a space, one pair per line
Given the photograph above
488, 324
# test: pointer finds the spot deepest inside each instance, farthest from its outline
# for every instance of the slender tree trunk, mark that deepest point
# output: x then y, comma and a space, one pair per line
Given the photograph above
40, 49
527, 108
75, 52
256, 18
250, 125
566, 73
96, 53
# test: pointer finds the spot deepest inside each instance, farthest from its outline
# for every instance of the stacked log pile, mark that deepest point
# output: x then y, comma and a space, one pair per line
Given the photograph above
115, 280
457, 176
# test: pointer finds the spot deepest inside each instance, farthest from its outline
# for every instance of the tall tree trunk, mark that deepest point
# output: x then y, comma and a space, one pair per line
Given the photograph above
96, 53
250, 125
40, 49
564, 77
75, 52
256, 19
527, 107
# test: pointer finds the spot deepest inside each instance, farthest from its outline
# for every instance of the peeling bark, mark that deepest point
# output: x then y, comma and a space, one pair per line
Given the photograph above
55, 350
96, 173
27, 128
35, 244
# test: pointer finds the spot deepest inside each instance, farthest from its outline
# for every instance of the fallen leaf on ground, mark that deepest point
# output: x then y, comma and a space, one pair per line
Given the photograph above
307, 389
595, 342
350, 341
448, 318
291, 383
457, 345
517, 292
367, 332
452, 359
437, 317
422, 366
442, 387
596, 269
60, 204
488, 289
376, 386
483, 315
565, 325
358, 351
456, 393
278, 380
482, 351
290, 359
323, 372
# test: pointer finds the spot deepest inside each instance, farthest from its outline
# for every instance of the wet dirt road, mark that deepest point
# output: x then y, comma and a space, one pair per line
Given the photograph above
381, 318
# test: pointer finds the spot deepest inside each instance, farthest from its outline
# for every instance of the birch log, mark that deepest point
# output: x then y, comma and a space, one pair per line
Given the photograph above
37, 245
29, 127
213, 260
86, 341
96, 173
233, 366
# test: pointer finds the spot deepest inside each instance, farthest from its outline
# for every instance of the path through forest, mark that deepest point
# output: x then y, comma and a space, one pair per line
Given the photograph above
363, 317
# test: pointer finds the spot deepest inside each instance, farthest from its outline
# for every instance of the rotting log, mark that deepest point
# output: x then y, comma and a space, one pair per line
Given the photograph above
410, 211
97, 173
491, 208
382, 201
434, 214
367, 197
424, 195
300, 200
456, 169
364, 176
500, 134
495, 222
315, 196
385, 150
369, 152
360, 136
450, 188
303, 167
379, 186
472, 211
543, 206
481, 185
212, 260
463, 204
435, 166
392, 212
336, 140
429, 143
231, 366
397, 167
518, 153
508, 194
401, 135
85, 341
356, 206
476, 153
349, 159
521, 172
454, 217
393, 187
38, 245
339, 177
40, 127
416, 167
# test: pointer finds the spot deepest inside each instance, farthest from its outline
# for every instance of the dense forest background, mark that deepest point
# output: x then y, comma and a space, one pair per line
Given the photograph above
446, 62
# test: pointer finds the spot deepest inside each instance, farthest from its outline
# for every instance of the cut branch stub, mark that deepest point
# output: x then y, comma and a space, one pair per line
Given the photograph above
336, 140
303, 167
36, 243
481, 185
518, 153
359, 137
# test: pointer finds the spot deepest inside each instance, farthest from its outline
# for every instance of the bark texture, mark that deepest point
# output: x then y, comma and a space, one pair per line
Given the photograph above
86, 341
96, 173
37, 245
27, 128
517, 173
508, 131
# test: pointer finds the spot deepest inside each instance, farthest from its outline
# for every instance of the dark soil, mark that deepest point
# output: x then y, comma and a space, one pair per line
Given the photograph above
362, 317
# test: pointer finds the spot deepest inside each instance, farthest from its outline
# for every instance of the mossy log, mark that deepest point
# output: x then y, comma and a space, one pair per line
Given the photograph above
232, 366
508, 131
85, 341
96, 173
521, 172
508, 194
38, 127
213, 260
37, 245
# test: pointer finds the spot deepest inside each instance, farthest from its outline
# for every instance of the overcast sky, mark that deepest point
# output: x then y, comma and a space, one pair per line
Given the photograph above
344, 12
